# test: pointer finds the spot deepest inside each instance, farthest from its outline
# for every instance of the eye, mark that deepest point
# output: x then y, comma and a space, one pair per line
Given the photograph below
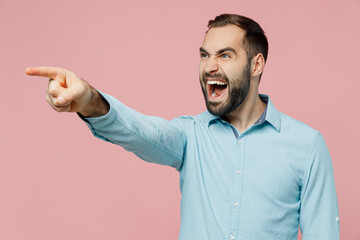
203, 55
225, 55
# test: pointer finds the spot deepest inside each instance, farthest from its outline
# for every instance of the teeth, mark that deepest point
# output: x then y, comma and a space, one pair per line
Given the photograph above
213, 94
216, 82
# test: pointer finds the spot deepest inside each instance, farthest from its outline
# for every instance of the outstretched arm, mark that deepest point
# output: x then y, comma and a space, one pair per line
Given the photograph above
153, 139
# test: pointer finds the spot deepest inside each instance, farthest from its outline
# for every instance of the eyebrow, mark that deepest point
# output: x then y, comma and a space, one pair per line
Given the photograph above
227, 49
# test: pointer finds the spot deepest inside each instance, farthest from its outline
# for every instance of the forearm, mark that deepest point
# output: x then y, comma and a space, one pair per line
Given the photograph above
151, 138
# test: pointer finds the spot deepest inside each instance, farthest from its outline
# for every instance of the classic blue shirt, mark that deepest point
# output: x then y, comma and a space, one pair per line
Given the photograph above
260, 184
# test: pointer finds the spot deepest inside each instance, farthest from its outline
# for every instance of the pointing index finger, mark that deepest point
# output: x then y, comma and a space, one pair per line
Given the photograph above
50, 72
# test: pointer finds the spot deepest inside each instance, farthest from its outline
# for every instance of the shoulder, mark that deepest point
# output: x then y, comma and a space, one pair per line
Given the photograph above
201, 119
299, 136
297, 128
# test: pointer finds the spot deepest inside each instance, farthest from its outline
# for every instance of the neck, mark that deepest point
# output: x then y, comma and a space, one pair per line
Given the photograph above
247, 113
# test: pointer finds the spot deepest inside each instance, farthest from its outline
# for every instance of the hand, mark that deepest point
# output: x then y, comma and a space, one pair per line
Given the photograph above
67, 92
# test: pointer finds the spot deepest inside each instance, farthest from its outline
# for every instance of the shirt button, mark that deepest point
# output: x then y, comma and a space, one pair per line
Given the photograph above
337, 219
232, 237
240, 141
238, 172
236, 204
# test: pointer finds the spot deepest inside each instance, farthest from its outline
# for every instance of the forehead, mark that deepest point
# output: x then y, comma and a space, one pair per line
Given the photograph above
221, 37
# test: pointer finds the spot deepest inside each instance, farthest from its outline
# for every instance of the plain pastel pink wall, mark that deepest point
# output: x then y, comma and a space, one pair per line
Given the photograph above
58, 182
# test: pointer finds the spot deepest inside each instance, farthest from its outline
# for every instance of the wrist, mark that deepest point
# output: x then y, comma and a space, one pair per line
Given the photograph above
95, 106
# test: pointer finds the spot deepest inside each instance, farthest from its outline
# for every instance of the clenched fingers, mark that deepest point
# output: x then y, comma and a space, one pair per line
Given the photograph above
63, 96
52, 103
54, 88
57, 100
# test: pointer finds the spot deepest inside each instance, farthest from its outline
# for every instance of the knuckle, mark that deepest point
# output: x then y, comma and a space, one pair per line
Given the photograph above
59, 109
55, 103
63, 109
63, 75
51, 101
52, 90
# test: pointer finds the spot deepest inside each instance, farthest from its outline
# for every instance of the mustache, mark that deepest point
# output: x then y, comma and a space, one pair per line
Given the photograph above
216, 75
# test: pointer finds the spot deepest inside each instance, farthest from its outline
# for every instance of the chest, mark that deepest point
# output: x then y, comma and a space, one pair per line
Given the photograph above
257, 164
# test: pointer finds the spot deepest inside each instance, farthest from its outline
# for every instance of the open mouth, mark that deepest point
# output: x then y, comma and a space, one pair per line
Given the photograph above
216, 89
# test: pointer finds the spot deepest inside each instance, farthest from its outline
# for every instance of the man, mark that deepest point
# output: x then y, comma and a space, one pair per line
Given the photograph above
246, 170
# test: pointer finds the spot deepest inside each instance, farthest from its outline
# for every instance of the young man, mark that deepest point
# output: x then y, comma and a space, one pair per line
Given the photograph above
246, 170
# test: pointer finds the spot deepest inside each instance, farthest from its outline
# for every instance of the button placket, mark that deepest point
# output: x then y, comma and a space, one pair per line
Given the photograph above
236, 198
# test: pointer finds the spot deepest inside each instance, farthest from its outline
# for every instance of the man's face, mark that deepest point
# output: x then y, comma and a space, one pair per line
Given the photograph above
224, 69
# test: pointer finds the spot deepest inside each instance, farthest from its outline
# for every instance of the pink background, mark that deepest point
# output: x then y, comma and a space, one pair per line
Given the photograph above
58, 182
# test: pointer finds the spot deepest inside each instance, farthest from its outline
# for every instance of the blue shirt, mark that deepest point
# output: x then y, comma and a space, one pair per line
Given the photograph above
260, 184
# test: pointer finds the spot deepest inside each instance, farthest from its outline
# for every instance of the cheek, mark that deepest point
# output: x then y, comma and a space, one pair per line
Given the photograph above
228, 73
233, 73
201, 67
201, 74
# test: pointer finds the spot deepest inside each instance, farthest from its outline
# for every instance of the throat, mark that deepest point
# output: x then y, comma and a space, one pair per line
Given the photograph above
247, 114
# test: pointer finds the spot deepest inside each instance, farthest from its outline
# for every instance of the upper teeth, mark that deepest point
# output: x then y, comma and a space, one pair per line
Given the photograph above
216, 82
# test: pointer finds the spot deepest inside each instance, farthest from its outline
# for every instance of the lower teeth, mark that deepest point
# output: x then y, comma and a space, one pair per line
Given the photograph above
213, 94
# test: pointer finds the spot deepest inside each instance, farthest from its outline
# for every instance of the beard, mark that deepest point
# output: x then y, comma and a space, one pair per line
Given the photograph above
238, 90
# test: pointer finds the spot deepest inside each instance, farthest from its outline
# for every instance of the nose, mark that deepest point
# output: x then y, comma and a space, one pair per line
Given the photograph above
211, 65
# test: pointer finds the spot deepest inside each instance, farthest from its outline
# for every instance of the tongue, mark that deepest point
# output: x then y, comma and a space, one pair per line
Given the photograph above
219, 90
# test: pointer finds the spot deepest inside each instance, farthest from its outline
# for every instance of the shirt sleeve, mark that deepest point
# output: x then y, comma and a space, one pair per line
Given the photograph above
319, 213
153, 139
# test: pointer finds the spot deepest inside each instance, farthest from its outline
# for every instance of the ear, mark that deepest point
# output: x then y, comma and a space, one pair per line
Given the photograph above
258, 64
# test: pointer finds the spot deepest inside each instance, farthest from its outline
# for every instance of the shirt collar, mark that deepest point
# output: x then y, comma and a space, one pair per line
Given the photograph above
272, 114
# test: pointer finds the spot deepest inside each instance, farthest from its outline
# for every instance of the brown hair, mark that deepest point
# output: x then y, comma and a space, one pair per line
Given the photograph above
254, 41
